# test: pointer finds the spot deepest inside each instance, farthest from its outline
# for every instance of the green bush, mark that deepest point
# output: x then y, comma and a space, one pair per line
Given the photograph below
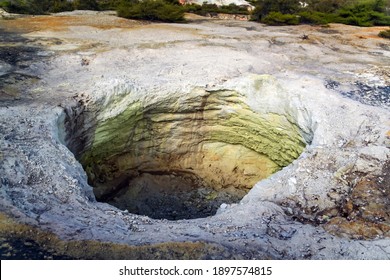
352, 12
264, 7
317, 18
368, 18
347, 16
86, 5
385, 34
24, 6
59, 6
326, 6
153, 10
379, 19
108, 4
193, 8
368, 13
277, 18
205, 9
234, 9
202, 10
36, 7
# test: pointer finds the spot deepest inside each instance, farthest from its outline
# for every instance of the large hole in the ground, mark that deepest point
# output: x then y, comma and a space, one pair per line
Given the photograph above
182, 157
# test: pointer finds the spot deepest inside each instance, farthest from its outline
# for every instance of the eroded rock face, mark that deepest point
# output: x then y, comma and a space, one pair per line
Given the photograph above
212, 141
170, 86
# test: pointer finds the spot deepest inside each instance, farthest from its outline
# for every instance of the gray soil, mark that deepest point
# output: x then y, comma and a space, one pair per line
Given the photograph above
171, 197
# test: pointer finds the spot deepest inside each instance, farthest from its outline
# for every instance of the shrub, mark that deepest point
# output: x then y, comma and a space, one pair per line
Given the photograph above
202, 10
86, 5
327, 6
21, 6
36, 7
213, 8
385, 34
264, 7
153, 10
314, 18
363, 14
379, 18
194, 8
234, 9
277, 18
351, 18
60, 6
352, 12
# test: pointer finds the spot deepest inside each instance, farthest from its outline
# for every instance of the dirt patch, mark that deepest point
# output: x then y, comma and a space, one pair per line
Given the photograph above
171, 196
365, 212
63, 22
16, 55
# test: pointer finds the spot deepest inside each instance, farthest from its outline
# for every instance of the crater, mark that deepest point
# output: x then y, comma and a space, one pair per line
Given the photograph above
181, 157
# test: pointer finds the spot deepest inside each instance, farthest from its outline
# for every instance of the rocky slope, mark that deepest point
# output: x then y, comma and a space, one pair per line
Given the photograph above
228, 103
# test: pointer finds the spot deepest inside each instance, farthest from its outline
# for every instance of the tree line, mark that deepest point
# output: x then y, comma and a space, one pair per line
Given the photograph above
272, 12
352, 12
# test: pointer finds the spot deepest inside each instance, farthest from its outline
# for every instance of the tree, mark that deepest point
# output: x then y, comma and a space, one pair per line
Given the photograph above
56, 6
154, 10
327, 6
86, 5
264, 7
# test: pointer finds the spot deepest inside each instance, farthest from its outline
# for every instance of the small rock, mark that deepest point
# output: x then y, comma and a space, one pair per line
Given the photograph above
85, 62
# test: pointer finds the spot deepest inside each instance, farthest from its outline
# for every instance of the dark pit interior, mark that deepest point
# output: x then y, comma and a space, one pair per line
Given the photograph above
169, 195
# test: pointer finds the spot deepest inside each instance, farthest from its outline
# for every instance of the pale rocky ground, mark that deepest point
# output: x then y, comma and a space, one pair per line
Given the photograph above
330, 203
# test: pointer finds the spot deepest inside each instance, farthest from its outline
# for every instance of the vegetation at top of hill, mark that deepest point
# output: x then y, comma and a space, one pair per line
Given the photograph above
207, 8
38, 7
153, 10
273, 12
352, 12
